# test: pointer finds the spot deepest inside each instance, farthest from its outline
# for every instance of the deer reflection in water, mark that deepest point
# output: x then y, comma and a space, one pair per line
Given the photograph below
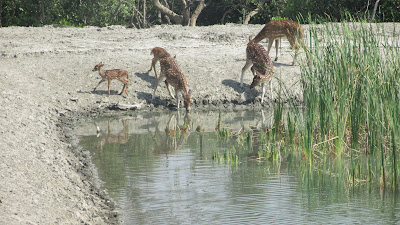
109, 138
175, 135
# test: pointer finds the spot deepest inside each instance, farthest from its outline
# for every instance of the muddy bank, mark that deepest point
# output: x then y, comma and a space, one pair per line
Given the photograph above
46, 85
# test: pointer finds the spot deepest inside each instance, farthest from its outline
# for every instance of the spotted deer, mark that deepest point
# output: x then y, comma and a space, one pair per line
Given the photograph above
262, 68
273, 30
159, 53
174, 76
109, 75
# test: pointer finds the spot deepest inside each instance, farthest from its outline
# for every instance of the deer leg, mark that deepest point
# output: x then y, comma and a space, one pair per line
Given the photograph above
245, 67
153, 65
123, 88
157, 83
169, 90
270, 42
98, 84
109, 83
122, 91
253, 71
294, 46
126, 88
277, 47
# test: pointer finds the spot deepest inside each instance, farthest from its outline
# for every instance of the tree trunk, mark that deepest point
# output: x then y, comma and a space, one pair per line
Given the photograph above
251, 14
41, 5
144, 14
197, 12
226, 13
177, 19
247, 18
374, 11
367, 9
1, 10
185, 13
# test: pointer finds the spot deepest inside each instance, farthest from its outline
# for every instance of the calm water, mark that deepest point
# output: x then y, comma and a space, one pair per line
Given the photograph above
163, 168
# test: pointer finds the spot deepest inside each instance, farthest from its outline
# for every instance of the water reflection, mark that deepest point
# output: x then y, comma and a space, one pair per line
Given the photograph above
174, 135
109, 138
159, 168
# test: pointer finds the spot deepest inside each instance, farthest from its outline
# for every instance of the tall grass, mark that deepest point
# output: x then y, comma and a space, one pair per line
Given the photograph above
351, 85
351, 90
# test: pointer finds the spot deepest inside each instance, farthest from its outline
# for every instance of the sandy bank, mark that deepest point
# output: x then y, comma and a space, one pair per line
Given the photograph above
46, 84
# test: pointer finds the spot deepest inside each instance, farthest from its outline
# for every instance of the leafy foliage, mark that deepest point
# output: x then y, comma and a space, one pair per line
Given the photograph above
139, 13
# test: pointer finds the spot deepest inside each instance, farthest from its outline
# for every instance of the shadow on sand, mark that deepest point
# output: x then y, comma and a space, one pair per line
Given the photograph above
146, 77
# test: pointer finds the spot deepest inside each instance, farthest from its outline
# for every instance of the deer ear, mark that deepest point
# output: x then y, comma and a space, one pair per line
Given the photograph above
250, 38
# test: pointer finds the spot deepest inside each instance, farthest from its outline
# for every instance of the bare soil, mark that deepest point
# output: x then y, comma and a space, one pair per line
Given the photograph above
46, 84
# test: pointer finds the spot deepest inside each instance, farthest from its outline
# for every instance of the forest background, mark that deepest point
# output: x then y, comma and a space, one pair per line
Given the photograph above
145, 13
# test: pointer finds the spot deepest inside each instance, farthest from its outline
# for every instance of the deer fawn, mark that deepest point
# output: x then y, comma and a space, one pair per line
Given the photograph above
121, 75
276, 29
174, 76
262, 66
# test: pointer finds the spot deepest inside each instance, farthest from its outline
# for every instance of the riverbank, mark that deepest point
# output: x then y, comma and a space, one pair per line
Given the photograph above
46, 84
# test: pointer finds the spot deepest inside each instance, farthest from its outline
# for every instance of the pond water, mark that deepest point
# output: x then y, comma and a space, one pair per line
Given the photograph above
174, 168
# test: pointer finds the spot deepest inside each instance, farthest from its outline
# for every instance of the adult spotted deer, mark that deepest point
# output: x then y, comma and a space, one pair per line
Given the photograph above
262, 68
159, 53
109, 75
273, 30
174, 76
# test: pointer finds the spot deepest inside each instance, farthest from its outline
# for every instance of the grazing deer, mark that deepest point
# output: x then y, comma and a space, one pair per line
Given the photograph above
273, 30
175, 77
159, 53
262, 66
121, 75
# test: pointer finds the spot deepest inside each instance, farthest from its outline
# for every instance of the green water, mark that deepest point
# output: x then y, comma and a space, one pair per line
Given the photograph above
171, 168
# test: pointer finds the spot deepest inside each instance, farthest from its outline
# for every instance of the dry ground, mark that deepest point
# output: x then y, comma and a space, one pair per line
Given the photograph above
46, 83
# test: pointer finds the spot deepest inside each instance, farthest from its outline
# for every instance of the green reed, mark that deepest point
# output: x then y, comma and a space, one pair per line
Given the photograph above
351, 92
346, 85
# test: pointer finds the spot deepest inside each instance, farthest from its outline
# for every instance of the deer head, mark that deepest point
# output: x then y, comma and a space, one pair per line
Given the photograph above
251, 41
257, 79
159, 52
98, 66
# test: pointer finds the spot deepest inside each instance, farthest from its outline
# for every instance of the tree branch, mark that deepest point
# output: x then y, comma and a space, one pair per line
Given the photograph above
374, 11
197, 12
177, 19
254, 12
